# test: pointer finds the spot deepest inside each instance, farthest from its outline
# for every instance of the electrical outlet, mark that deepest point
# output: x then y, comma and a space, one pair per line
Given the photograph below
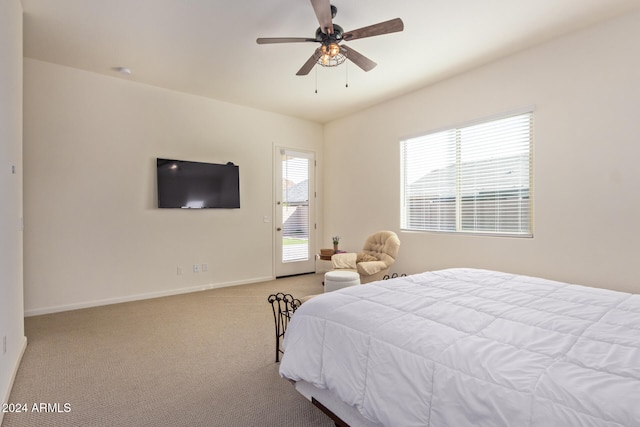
195, 268
179, 271
4, 345
205, 267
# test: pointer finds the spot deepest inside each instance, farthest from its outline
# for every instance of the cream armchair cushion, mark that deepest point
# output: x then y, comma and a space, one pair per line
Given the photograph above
369, 268
344, 261
382, 246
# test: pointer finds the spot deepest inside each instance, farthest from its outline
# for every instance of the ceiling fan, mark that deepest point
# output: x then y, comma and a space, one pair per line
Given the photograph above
330, 53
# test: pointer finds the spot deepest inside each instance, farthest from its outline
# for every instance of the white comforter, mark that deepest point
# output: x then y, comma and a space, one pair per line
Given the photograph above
467, 347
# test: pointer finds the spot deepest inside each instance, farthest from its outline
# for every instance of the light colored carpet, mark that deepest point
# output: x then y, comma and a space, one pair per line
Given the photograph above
199, 359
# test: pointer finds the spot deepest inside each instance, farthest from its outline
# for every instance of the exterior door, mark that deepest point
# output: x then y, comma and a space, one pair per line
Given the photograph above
294, 212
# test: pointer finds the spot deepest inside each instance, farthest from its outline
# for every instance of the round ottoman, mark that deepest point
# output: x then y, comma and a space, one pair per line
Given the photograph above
340, 279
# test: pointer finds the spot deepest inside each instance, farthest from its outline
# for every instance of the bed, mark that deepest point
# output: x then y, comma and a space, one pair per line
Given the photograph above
468, 347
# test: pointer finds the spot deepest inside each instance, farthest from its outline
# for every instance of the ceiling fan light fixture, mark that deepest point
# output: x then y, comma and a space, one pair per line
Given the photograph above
331, 55
331, 49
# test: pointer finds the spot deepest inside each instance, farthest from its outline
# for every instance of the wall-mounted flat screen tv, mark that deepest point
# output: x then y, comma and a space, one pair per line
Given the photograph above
196, 185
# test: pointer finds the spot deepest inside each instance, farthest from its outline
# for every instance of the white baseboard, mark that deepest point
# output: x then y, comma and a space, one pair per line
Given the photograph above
7, 392
128, 298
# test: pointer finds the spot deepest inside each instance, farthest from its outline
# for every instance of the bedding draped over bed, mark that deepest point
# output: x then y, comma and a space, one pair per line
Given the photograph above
469, 347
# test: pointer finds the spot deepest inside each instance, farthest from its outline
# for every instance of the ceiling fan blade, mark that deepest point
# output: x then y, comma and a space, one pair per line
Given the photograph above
391, 26
271, 40
306, 68
359, 59
322, 8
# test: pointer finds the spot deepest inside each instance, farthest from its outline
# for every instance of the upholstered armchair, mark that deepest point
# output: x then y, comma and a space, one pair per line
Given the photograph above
374, 261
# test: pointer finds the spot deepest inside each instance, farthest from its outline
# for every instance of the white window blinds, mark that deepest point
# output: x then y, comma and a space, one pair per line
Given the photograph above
295, 207
473, 179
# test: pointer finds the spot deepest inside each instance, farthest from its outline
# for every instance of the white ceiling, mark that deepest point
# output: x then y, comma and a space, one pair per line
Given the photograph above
208, 47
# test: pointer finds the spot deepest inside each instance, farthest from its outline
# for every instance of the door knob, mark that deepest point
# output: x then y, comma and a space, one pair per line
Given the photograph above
279, 229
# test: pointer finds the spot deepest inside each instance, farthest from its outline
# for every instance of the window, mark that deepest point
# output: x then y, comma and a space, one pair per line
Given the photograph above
471, 179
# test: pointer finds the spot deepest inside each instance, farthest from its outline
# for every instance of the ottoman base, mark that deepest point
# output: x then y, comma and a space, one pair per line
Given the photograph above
336, 279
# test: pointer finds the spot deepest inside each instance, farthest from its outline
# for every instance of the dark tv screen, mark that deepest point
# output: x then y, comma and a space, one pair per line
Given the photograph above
196, 185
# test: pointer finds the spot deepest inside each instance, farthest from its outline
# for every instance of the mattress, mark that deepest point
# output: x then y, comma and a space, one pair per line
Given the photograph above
469, 347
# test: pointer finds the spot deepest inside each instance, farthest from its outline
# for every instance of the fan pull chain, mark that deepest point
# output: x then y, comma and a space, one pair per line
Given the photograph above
316, 71
346, 67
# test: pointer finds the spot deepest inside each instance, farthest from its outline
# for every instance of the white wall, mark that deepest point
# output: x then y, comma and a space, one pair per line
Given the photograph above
11, 304
587, 95
92, 232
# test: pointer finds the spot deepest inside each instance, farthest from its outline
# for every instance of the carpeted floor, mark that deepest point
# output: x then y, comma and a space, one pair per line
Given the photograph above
199, 359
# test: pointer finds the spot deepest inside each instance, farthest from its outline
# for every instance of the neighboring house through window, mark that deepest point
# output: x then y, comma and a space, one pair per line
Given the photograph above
470, 179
